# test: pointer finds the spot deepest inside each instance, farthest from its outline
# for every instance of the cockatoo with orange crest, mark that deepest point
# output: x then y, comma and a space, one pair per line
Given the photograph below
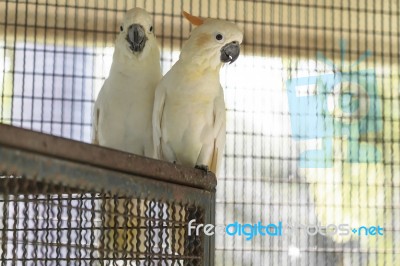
189, 107
123, 110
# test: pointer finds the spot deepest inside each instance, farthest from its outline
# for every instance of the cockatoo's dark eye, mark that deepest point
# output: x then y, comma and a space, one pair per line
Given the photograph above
121, 28
219, 37
151, 28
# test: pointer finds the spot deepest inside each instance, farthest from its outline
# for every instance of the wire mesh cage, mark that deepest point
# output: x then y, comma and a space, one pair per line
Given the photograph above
57, 212
313, 113
39, 234
55, 226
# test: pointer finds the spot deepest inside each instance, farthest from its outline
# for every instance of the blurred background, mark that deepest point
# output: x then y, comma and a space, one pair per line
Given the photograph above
313, 111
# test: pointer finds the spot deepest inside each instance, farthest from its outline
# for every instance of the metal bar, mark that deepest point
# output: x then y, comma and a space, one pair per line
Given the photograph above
210, 243
105, 158
56, 171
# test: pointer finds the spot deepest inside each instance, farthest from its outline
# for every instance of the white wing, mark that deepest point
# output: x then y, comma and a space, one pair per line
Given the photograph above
158, 109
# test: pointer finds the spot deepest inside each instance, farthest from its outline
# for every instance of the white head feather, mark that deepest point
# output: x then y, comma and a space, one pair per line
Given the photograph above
204, 44
132, 17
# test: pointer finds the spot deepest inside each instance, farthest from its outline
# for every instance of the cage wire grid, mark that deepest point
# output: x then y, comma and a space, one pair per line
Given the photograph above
68, 226
55, 56
61, 212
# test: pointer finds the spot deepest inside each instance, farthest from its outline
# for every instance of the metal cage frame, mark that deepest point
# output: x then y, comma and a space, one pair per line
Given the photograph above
86, 168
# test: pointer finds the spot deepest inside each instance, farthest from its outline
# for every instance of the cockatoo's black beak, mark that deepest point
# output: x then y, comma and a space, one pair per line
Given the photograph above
230, 52
136, 37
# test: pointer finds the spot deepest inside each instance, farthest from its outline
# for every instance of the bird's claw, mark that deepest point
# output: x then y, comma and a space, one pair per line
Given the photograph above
202, 167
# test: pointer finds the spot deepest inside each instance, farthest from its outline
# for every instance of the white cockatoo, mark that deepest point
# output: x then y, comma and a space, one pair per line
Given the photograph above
123, 110
122, 120
189, 107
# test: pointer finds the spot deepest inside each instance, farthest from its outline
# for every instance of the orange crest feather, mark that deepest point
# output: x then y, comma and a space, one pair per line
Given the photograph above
197, 21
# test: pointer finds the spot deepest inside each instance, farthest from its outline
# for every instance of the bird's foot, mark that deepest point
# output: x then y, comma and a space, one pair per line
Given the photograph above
202, 167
